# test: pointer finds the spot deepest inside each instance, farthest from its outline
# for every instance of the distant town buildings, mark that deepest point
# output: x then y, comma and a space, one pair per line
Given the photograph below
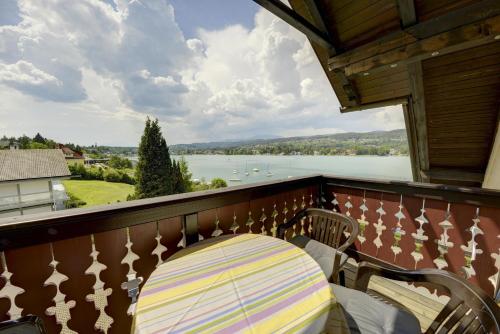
7, 144
30, 181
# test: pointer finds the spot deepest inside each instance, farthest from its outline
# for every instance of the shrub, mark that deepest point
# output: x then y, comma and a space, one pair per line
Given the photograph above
218, 183
73, 202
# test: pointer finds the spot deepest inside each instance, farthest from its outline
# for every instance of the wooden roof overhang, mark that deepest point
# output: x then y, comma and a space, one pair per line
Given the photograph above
440, 59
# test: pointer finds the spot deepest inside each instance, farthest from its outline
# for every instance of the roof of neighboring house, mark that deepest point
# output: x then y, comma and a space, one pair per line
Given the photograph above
67, 151
32, 164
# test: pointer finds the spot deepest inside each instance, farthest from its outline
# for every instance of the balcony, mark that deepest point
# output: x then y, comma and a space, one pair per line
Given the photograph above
68, 266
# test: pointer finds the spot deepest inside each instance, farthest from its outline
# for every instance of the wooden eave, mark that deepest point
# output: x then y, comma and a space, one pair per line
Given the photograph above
439, 58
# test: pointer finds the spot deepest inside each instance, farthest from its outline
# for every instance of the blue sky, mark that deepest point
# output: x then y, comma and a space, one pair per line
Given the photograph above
192, 15
91, 71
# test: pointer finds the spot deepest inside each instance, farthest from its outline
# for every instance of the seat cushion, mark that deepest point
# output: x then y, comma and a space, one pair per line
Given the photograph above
365, 314
323, 254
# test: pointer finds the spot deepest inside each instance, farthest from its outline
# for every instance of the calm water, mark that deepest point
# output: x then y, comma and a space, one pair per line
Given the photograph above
223, 166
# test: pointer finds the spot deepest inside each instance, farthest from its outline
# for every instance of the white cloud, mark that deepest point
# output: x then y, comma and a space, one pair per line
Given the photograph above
25, 73
88, 60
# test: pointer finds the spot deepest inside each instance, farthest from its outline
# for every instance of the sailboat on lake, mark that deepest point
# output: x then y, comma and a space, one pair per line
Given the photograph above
269, 173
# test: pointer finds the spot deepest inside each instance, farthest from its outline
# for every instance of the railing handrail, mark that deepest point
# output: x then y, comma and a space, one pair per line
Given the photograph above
447, 193
51, 226
45, 227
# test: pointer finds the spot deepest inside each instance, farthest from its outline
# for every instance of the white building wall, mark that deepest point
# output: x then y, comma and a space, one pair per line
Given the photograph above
37, 191
32, 193
8, 195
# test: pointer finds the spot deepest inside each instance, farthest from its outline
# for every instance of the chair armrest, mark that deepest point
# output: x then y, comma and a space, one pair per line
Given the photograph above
336, 267
295, 219
353, 235
368, 269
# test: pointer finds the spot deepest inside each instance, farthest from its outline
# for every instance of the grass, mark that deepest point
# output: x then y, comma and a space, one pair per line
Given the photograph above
98, 192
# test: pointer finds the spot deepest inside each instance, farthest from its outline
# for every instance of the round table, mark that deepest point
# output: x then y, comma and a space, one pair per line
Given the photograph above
243, 283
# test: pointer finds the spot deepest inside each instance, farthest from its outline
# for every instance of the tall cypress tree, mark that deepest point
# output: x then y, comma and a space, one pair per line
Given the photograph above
178, 182
154, 169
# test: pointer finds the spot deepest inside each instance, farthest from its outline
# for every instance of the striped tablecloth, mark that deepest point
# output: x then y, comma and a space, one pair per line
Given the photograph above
245, 284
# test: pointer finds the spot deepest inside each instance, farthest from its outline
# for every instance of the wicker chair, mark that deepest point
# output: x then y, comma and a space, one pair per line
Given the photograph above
327, 241
469, 310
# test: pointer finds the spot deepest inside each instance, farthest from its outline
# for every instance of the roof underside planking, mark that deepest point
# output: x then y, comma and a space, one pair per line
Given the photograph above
439, 58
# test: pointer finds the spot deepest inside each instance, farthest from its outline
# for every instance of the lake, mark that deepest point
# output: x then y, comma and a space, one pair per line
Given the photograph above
230, 167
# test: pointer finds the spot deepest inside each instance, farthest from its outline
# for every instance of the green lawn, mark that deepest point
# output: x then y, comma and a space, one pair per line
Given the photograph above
98, 192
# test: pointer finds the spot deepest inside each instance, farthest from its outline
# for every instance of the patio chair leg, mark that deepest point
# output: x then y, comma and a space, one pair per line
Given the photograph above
342, 278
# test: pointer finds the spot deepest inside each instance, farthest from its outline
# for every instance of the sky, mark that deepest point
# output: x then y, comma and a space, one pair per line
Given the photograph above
91, 71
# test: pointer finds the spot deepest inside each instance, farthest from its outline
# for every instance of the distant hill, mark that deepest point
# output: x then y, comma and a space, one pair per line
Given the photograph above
352, 143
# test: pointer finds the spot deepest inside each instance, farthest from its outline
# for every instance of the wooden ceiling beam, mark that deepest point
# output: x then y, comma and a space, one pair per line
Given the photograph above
397, 42
291, 17
458, 39
407, 13
317, 19
386, 103
451, 174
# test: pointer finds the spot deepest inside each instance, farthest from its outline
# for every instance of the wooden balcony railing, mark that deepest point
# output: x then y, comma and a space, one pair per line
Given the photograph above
73, 267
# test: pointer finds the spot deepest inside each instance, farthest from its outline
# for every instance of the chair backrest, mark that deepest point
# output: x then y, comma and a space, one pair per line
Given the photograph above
29, 324
470, 310
333, 229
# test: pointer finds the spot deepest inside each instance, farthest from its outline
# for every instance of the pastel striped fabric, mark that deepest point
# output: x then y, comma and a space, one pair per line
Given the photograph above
244, 284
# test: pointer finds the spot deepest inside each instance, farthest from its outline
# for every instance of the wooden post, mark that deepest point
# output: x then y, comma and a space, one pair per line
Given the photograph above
412, 141
419, 118
190, 224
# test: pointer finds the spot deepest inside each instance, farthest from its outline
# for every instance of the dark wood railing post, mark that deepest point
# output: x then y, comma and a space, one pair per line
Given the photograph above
190, 225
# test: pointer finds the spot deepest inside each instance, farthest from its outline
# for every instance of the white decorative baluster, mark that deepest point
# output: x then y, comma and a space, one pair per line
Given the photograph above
303, 203
61, 309
420, 236
285, 211
494, 279
335, 202
348, 206
302, 222
250, 222
362, 221
217, 231
471, 250
159, 249
182, 242
274, 228
9, 290
379, 227
398, 231
133, 282
444, 242
310, 226
311, 201
234, 227
100, 295
294, 207
262, 220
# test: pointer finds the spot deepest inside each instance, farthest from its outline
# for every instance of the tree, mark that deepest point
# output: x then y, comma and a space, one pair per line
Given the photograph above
119, 163
177, 180
154, 169
24, 142
185, 174
37, 145
39, 139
